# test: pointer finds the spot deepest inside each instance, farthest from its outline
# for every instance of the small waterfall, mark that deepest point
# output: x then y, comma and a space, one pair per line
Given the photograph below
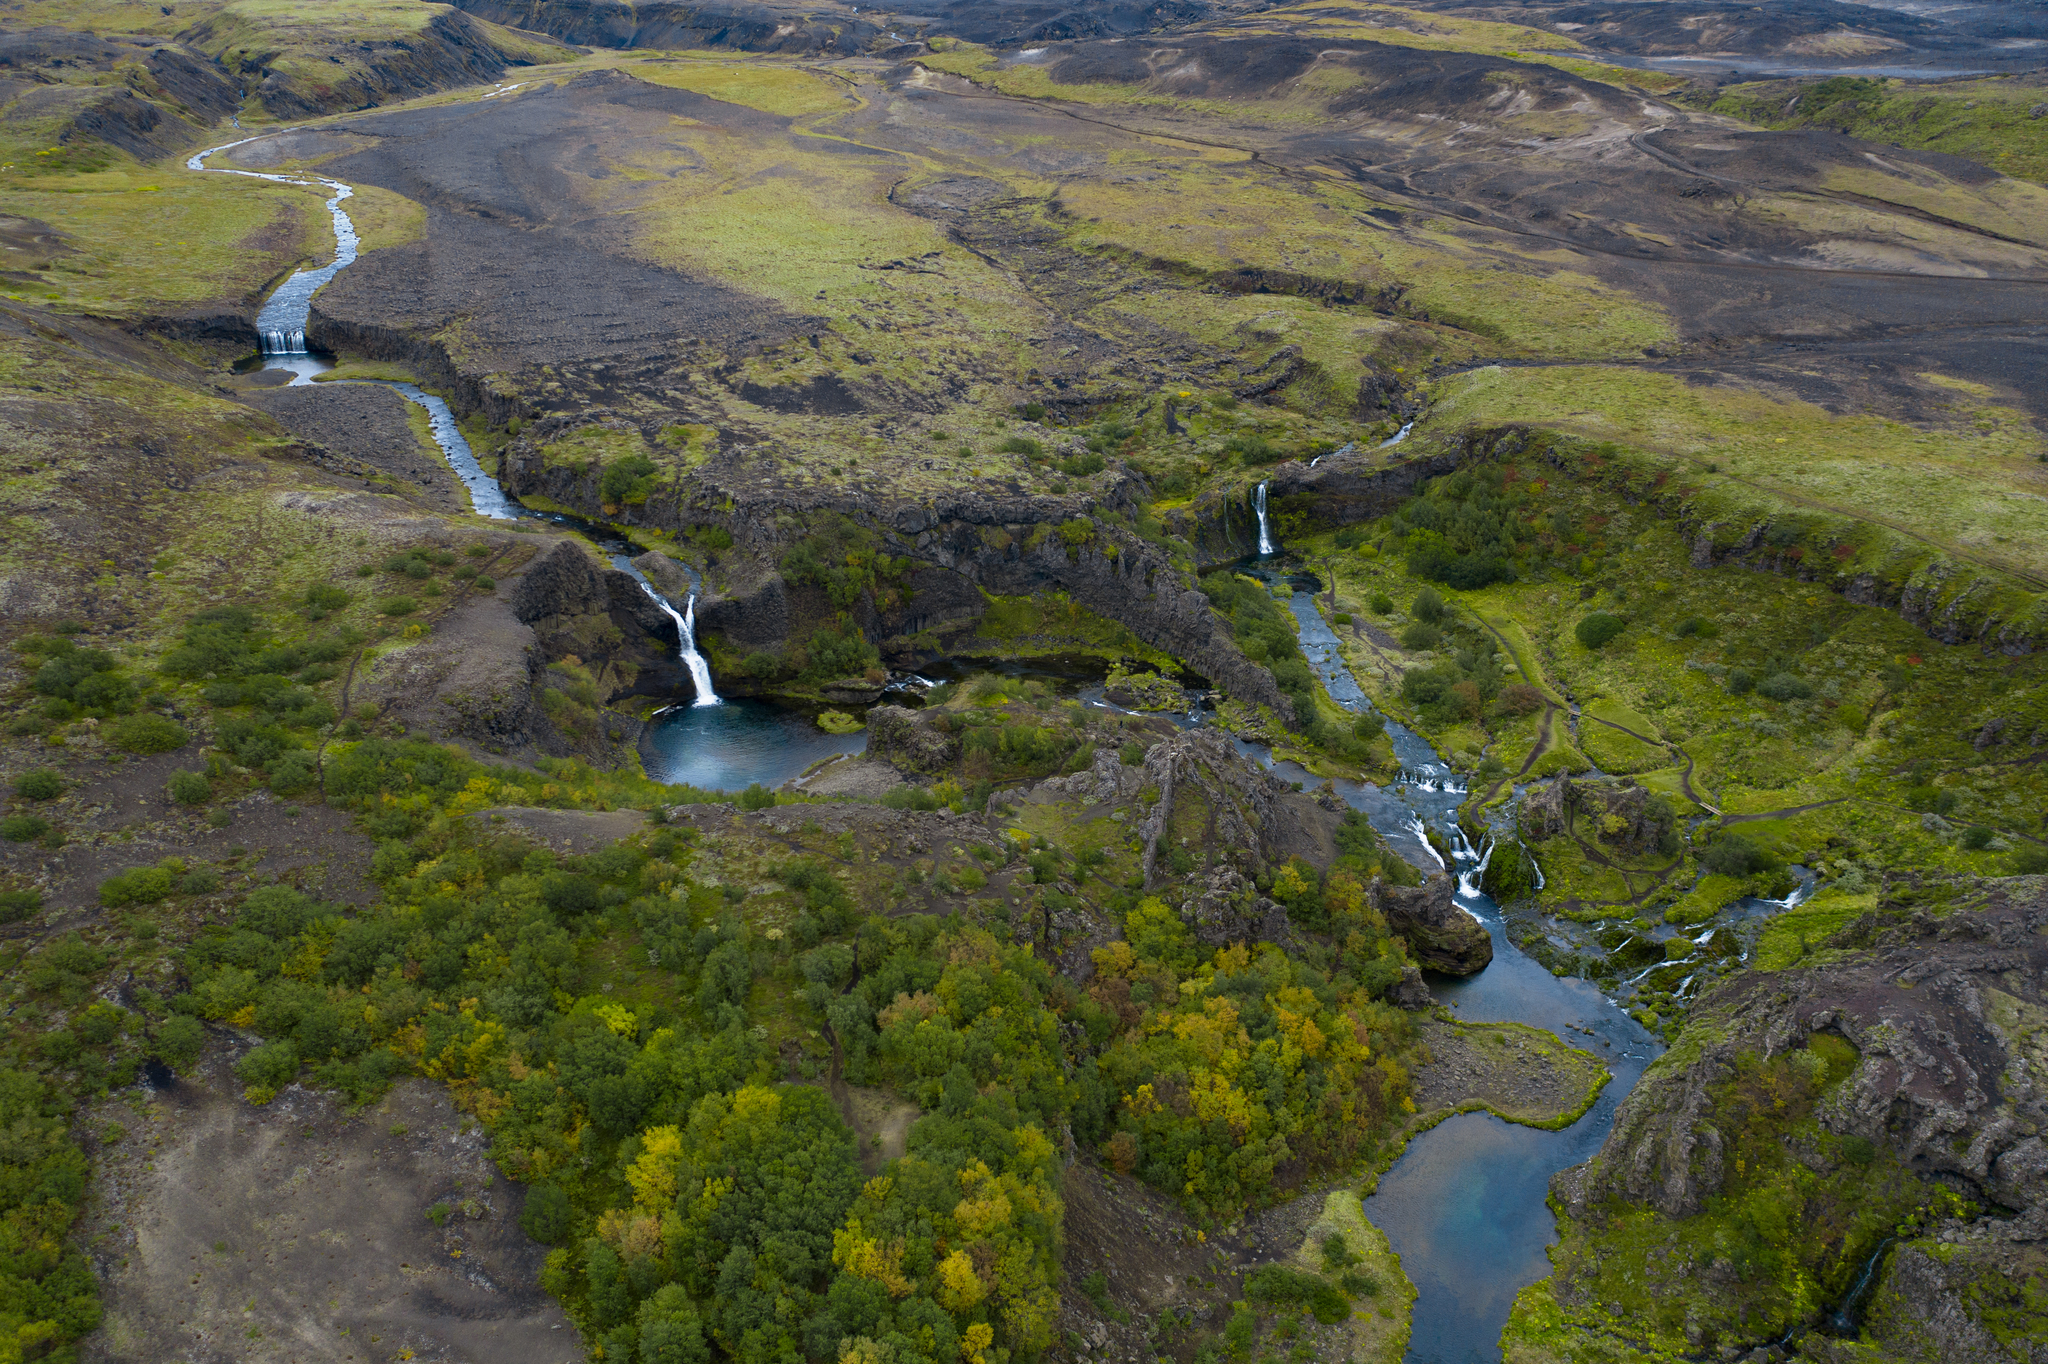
1259, 506
686, 628
280, 341
1400, 435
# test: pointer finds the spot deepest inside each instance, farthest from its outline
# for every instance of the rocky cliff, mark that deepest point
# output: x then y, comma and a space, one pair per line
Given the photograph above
961, 546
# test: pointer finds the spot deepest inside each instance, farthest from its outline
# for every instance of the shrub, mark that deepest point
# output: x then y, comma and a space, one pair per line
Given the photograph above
1697, 625
1784, 687
756, 797
1740, 683
322, 598
1340, 618
138, 886
1598, 629
548, 1216
1519, 698
398, 606
190, 788
1381, 604
148, 734
1278, 1284
21, 828
1978, 837
1132, 754
269, 1067
179, 1040
39, 785
291, 772
1254, 449
1020, 445
1419, 636
16, 905
1851, 718
1429, 606
485, 582
626, 480
1734, 855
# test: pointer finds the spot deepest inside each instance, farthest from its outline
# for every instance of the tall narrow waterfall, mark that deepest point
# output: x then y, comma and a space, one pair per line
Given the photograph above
686, 627
1259, 506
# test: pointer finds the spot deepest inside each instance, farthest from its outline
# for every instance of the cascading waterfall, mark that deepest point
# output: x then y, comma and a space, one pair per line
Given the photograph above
1259, 506
281, 325
686, 627
1400, 435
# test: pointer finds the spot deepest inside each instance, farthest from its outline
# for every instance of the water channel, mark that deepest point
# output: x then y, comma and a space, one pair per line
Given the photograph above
1465, 1205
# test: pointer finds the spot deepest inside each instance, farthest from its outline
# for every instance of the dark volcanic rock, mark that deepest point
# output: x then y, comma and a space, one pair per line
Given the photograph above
1440, 935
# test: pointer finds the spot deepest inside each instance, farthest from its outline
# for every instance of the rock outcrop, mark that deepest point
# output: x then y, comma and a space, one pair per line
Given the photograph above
1627, 817
896, 736
1906, 1063
1440, 935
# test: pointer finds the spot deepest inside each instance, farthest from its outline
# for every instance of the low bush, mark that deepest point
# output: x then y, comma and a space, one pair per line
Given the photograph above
22, 828
138, 886
190, 788
39, 785
148, 734
1599, 629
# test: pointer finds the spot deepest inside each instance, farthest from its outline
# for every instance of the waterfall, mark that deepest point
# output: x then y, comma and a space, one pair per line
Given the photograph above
686, 628
1400, 435
281, 325
1259, 506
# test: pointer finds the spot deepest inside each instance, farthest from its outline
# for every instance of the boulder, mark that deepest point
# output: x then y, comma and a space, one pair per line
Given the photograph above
1228, 909
1440, 935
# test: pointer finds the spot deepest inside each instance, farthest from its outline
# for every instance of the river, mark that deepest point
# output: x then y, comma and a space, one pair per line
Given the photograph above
1465, 1205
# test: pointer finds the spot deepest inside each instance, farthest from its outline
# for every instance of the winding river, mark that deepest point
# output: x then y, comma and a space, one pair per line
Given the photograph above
1465, 1205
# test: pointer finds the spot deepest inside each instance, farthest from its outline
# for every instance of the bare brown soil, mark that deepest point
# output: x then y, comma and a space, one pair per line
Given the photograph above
300, 1232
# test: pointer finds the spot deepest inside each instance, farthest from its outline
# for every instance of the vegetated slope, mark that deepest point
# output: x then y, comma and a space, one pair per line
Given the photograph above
1996, 122
1869, 1110
80, 88
295, 62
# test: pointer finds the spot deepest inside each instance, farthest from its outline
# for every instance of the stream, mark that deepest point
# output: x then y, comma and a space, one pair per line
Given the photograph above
1464, 1206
